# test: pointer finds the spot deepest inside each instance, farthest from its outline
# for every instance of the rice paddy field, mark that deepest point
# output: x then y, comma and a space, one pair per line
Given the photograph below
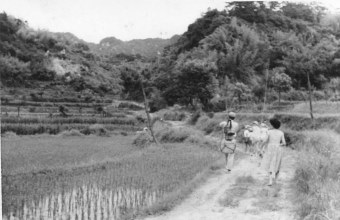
58, 168
91, 177
319, 107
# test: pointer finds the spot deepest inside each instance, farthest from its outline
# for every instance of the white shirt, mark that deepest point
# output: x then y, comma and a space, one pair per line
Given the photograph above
234, 125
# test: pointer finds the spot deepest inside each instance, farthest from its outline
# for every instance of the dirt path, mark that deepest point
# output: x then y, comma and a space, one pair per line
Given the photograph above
242, 194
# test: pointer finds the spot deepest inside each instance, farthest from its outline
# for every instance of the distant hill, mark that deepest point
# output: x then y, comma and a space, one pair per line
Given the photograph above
145, 47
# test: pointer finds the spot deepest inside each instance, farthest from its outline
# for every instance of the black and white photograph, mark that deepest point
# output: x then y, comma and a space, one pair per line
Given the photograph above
170, 110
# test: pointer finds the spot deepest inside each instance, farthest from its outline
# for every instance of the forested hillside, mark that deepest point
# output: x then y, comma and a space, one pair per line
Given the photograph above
224, 56
30, 58
232, 51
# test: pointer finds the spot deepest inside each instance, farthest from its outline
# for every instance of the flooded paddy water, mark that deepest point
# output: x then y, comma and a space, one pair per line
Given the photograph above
85, 202
121, 180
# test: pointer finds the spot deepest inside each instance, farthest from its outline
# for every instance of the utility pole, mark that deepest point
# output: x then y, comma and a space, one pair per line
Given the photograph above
310, 96
146, 107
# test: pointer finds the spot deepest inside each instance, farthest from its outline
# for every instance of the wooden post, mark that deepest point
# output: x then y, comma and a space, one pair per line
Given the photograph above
18, 107
310, 96
146, 107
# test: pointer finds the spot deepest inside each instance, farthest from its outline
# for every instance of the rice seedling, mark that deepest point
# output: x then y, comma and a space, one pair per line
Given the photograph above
32, 129
125, 181
70, 120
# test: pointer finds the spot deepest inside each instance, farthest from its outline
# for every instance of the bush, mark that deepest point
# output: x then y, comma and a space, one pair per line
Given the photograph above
194, 117
294, 95
172, 115
319, 95
157, 103
217, 105
98, 130
32, 109
13, 71
208, 125
9, 134
70, 133
143, 139
174, 135
130, 105
210, 114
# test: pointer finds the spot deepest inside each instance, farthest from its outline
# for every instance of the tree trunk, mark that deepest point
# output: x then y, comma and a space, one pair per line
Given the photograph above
146, 106
310, 97
279, 98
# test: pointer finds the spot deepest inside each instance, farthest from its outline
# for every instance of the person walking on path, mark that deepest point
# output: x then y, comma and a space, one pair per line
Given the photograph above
228, 143
272, 159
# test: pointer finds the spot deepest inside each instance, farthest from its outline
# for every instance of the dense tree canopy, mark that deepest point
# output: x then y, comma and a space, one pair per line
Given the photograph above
222, 54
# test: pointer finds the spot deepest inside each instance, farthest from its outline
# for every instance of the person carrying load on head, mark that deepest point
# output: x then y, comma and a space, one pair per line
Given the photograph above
228, 143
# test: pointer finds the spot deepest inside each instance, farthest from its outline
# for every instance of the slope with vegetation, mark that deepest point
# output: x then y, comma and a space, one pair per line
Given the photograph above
238, 51
225, 57
35, 58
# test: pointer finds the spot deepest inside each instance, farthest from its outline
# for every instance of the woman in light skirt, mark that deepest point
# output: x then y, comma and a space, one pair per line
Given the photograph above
273, 156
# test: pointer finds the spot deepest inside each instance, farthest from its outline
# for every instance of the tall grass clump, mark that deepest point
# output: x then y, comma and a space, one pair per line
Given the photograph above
194, 118
71, 133
183, 134
172, 114
317, 177
96, 129
208, 125
174, 135
301, 123
142, 139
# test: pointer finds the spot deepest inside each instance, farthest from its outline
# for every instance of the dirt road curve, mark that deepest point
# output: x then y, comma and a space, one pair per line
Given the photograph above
242, 194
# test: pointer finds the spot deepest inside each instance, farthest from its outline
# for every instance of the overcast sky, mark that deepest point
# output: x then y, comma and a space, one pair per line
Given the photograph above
92, 20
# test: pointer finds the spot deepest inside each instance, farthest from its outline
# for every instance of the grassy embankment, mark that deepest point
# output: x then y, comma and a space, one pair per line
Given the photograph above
317, 177
319, 107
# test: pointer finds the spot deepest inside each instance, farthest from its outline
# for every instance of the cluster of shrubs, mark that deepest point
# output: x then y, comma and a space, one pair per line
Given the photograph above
184, 134
172, 114
143, 139
130, 105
